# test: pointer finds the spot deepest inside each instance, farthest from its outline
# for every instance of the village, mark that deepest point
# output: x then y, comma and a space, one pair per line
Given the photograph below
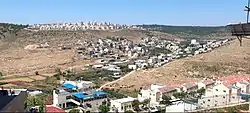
152, 52
80, 26
113, 54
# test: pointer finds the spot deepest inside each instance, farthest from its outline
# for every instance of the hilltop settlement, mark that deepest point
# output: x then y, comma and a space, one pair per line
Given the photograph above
114, 57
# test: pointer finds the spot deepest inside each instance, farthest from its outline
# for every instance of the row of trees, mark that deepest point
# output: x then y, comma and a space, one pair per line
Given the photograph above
33, 101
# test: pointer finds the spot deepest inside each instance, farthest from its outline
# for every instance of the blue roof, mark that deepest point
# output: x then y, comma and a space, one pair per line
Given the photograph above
100, 93
80, 95
69, 86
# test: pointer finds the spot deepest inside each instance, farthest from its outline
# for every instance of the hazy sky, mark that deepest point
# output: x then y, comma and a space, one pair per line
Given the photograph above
170, 12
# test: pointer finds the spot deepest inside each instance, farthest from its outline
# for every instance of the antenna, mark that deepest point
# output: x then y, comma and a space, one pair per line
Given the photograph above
247, 9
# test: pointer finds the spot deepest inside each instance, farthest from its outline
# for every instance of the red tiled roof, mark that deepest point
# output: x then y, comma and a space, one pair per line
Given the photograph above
231, 79
168, 88
51, 109
208, 82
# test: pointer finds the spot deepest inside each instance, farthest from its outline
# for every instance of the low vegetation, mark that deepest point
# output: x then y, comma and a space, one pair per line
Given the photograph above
74, 111
188, 31
36, 101
114, 93
104, 108
234, 109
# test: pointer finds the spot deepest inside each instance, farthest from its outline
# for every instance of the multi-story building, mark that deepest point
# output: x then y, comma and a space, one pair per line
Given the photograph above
154, 94
227, 90
78, 93
220, 95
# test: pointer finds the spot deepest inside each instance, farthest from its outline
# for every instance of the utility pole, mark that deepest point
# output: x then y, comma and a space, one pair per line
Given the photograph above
247, 10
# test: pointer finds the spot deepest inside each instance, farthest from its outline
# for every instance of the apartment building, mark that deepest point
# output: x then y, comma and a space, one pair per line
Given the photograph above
153, 93
227, 90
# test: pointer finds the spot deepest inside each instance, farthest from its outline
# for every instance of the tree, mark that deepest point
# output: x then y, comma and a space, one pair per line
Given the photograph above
104, 108
146, 102
41, 107
36, 73
180, 95
166, 100
201, 91
135, 105
1, 74
58, 71
74, 111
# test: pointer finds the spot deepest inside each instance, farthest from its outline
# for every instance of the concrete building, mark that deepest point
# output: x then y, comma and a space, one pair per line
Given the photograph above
79, 93
122, 105
154, 94
221, 95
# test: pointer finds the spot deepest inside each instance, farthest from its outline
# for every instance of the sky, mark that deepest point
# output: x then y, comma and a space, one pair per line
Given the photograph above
167, 12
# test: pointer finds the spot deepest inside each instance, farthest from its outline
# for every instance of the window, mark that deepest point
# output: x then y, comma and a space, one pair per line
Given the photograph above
216, 89
224, 91
215, 104
233, 97
208, 105
216, 95
224, 97
122, 108
204, 102
208, 100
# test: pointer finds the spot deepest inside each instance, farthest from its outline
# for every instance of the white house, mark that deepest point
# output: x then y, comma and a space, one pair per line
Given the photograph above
219, 95
134, 67
245, 86
122, 105
154, 94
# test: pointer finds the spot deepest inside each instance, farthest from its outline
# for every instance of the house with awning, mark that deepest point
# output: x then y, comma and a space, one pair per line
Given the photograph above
78, 94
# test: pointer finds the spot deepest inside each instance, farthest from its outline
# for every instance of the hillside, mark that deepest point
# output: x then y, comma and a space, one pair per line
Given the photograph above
225, 60
17, 60
190, 31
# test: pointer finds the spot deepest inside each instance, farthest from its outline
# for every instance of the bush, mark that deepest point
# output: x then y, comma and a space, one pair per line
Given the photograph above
3, 83
74, 111
115, 94
104, 108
